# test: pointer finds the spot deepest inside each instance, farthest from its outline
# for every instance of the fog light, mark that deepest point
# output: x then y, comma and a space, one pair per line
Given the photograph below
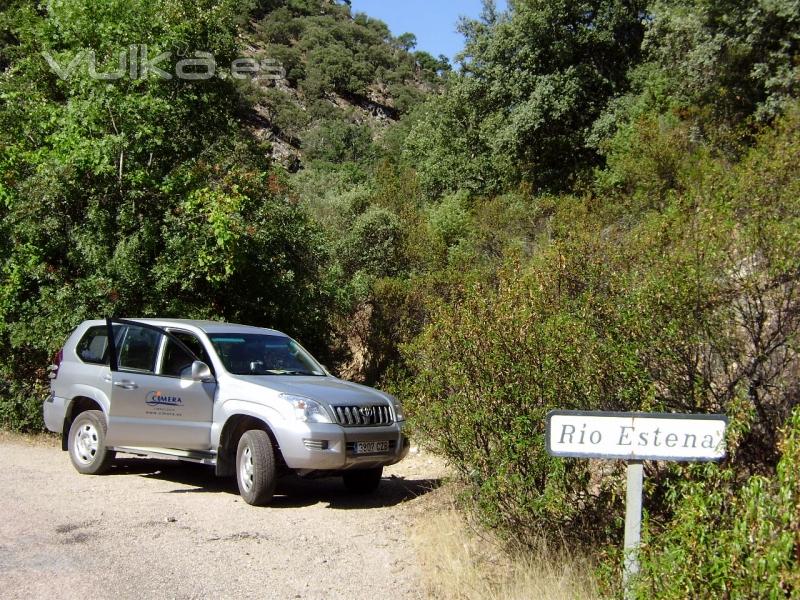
316, 444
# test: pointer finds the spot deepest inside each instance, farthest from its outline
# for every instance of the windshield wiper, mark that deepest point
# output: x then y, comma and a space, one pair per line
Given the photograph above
304, 373
282, 372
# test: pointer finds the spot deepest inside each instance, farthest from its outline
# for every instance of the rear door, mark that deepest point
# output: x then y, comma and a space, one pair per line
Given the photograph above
154, 401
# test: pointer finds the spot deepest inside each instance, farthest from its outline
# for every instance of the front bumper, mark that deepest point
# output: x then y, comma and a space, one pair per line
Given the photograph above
308, 447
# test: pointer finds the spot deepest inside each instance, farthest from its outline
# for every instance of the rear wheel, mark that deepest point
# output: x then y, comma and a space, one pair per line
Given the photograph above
255, 467
363, 481
87, 443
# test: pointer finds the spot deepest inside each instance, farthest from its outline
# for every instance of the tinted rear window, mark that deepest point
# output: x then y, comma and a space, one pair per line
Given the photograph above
93, 346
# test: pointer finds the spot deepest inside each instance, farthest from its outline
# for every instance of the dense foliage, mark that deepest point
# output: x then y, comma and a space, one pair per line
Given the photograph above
140, 196
666, 281
534, 83
343, 73
730, 538
693, 308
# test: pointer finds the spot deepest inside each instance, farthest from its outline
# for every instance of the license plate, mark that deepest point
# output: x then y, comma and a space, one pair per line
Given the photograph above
372, 447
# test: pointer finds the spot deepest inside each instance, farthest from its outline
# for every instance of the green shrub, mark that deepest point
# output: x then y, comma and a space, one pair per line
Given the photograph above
487, 370
284, 114
687, 305
730, 538
338, 141
449, 220
373, 245
21, 409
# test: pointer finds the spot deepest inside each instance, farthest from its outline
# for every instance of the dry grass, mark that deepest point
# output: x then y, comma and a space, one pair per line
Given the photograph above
460, 561
30, 439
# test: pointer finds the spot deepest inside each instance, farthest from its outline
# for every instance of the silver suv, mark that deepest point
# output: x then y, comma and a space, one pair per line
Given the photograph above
249, 401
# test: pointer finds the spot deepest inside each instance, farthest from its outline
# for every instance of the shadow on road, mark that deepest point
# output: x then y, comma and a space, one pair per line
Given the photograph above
292, 491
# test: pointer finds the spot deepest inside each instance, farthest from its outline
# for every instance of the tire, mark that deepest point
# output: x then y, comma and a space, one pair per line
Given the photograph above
363, 481
87, 444
255, 468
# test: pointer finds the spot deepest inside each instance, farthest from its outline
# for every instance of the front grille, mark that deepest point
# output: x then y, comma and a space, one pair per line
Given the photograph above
363, 416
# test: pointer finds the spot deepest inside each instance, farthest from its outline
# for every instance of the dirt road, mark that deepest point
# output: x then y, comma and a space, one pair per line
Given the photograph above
162, 529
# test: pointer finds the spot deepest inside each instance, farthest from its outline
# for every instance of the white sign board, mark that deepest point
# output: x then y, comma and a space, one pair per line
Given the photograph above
636, 436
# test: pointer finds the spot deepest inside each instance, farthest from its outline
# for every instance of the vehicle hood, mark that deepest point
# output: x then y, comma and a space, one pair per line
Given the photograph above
327, 390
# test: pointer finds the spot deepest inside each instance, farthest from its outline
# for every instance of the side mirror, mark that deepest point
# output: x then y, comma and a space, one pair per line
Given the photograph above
201, 372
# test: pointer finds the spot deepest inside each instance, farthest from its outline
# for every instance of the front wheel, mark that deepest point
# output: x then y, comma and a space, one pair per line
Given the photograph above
87, 443
363, 481
255, 467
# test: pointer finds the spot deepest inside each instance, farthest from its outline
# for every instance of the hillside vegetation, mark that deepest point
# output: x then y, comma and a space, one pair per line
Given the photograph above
599, 208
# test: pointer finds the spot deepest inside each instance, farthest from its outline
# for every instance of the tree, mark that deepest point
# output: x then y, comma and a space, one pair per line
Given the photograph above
407, 41
138, 196
734, 57
532, 83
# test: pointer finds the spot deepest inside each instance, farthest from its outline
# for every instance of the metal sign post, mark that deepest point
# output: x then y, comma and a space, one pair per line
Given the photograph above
633, 525
635, 437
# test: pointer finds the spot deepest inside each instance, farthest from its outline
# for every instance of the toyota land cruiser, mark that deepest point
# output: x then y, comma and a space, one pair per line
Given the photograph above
249, 401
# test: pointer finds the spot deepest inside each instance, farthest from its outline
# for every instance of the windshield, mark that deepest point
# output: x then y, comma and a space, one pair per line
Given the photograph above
256, 354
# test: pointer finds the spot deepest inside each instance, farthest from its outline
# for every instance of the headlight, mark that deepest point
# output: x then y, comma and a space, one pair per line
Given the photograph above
399, 415
307, 410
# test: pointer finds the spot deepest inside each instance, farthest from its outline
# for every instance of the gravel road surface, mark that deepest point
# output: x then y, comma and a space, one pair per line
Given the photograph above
163, 529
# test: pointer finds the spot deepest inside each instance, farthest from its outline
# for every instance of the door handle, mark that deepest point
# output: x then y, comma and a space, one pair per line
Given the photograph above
126, 385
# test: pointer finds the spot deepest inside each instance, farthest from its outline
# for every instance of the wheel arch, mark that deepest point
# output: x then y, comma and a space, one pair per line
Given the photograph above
233, 429
76, 406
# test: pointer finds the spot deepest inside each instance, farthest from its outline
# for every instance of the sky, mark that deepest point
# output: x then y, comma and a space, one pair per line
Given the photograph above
432, 21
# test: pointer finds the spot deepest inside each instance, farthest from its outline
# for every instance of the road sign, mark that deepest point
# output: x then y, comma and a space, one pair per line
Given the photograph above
635, 437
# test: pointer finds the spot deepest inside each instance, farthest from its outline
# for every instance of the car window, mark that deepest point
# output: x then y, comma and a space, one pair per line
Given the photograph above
258, 354
93, 346
176, 360
138, 349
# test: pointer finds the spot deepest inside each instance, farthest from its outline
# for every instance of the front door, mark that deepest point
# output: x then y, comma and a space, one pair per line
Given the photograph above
155, 403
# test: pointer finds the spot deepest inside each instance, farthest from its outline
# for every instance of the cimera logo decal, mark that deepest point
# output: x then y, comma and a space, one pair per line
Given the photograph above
161, 399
